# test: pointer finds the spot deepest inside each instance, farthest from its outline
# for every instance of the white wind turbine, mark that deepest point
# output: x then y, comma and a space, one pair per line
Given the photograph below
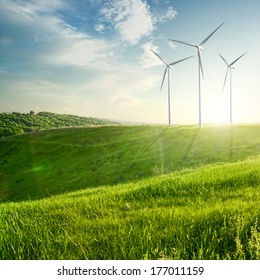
167, 69
229, 69
199, 51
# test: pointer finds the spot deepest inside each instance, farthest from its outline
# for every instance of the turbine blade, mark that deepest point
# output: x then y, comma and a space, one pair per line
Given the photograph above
159, 57
206, 39
224, 59
200, 62
236, 59
225, 79
163, 77
173, 63
185, 43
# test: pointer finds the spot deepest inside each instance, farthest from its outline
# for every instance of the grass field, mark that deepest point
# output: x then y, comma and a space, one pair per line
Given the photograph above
131, 192
51, 162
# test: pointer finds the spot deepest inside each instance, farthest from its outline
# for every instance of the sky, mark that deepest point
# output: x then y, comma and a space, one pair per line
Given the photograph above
93, 58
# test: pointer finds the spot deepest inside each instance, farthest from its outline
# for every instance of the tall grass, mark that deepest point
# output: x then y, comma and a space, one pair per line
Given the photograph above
205, 213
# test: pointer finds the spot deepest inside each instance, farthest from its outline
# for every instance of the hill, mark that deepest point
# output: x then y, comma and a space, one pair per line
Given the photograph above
131, 192
46, 163
18, 123
210, 212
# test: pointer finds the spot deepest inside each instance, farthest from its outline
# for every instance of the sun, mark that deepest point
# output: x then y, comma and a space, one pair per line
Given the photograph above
216, 112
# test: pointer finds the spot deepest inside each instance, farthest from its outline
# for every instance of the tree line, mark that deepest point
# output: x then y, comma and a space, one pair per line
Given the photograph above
19, 123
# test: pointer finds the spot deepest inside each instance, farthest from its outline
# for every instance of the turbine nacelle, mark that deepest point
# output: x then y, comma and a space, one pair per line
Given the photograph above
168, 65
199, 47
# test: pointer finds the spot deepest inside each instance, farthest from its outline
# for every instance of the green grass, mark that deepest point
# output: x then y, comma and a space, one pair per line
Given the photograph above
206, 213
131, 192
51, 162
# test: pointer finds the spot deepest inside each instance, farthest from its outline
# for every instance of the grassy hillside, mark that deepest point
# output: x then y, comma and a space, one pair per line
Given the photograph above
45, 163
210, 212
18, 123
131, 192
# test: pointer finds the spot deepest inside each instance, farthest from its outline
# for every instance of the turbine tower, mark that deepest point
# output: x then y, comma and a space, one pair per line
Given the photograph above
229, 69
199, 51
167, 70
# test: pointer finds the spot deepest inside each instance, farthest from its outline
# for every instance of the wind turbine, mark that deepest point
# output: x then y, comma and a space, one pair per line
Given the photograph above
229, 69
167, 70
199, 51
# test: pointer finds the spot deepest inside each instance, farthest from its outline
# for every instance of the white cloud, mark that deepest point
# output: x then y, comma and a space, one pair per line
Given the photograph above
172, 45
51, 39
132, 19
80, 52
170, 14
99, 27
148, 59
28, 10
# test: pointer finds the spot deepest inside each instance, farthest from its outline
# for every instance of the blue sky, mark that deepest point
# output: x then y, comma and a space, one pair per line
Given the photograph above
93, 58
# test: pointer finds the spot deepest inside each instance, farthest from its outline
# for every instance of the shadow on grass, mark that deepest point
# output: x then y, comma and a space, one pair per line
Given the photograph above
187, 152
150, 145
231, 143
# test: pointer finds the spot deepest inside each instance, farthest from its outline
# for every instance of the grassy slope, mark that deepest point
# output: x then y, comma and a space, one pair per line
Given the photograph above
196, 212
206, 213
40, 164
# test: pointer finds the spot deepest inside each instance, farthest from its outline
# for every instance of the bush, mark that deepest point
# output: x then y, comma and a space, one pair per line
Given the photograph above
17, 123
